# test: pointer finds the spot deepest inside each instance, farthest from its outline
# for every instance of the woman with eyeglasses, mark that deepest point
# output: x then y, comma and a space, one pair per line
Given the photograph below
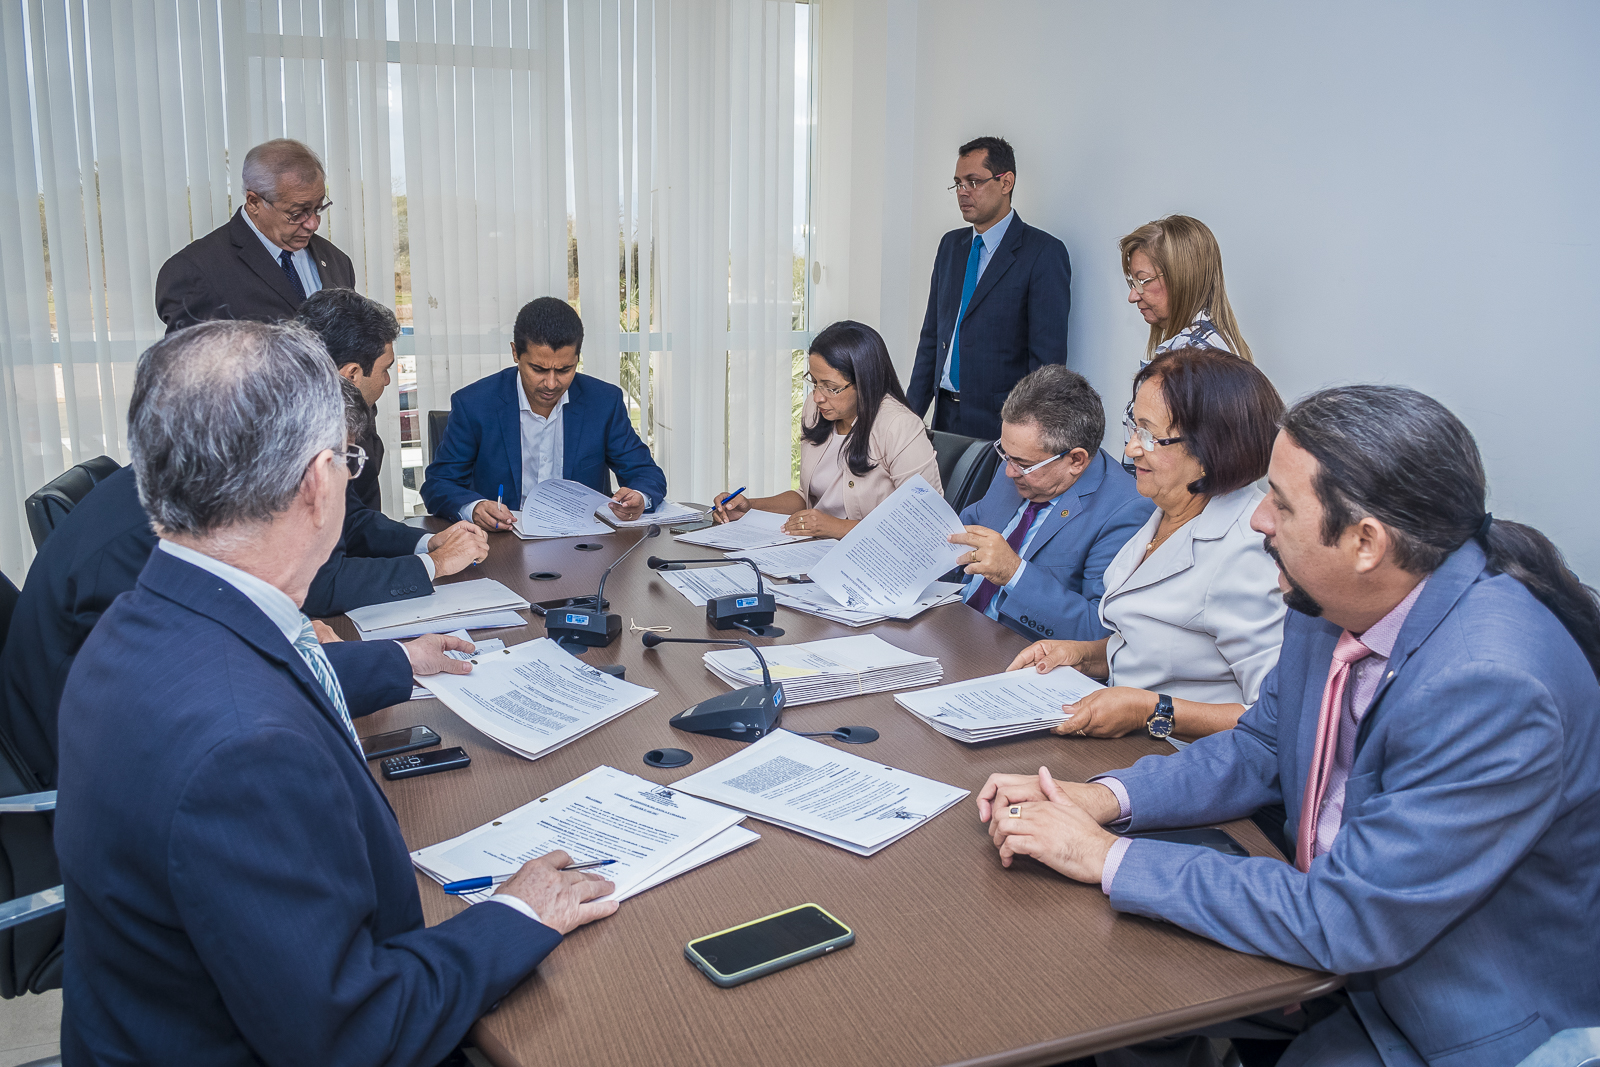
858, 439
1174, 272
1192, 601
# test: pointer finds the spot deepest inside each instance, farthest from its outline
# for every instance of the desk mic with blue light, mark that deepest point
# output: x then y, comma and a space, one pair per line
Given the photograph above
752, 614
586, 622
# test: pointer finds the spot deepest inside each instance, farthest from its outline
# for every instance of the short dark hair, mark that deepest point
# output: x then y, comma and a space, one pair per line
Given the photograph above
857, 352
1062, 403
549, 322
1225, 410
998, 157
354, 328
359, 425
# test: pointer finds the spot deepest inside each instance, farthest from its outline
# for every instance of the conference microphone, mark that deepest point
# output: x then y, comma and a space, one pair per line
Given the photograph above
748, 713
752, 614
588, 623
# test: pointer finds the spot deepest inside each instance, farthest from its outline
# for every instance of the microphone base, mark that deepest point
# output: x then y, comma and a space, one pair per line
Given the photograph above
582, 626
746, 714
753, 611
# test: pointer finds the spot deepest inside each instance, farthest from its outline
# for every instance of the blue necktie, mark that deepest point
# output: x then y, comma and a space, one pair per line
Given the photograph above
286, 261
311, 651
967, 286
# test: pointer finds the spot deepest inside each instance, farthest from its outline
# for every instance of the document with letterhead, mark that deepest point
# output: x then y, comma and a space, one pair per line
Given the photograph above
893, 554
999, 705
559, 507
753, 529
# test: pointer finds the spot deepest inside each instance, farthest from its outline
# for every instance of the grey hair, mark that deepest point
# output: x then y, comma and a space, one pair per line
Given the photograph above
268, 161
1062, 403
224, 420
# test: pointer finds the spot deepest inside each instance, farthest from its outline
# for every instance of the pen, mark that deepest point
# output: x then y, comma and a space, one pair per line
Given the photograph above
472, 885
499, 502
731, 495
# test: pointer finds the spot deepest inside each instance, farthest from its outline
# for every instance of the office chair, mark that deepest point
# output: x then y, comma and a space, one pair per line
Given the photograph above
966, 466
437, 421
8, 604
31, 895
1569, 1048
47, 507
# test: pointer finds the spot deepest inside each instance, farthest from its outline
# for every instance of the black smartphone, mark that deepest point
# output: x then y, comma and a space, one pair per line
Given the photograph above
396, 741
446, 759
771, 943
1207, 836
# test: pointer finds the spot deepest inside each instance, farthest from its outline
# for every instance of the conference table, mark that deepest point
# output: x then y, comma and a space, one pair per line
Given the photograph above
956, 960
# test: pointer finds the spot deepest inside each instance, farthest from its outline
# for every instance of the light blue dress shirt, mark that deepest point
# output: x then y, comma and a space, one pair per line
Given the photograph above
304, 265
991, 241
975, 580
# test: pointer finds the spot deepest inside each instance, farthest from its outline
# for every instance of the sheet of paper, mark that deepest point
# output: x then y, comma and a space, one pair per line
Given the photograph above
452, 602
893, 554
535, 697
488, 620
666, 514
812, 599
558, 507
828, 670
730, 840
831, 795
605, 814
753, 529
1000, 700
492, 644
790, 561
700, 584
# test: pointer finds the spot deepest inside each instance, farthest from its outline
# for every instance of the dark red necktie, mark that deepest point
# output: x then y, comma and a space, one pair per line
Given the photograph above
986, 591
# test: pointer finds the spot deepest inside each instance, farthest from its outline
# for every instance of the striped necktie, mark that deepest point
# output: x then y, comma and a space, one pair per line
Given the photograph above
311, 651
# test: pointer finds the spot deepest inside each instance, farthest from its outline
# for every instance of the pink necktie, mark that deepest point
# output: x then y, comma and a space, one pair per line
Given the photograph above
1346, 652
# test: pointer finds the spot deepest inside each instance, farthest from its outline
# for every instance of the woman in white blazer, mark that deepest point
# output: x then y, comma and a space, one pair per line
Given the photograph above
1192, 601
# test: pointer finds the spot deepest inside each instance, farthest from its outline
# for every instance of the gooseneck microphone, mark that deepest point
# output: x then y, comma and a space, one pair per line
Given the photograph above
748, 713
586, 622
752, 614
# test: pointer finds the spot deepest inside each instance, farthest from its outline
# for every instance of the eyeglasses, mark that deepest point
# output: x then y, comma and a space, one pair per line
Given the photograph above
1022, 471
355, 459
1138, 284
1146, 439
298, 217
830, 390
971, 184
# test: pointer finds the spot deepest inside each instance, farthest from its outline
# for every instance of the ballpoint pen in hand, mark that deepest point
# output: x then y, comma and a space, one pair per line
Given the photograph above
730, 496
499, 502
472, 885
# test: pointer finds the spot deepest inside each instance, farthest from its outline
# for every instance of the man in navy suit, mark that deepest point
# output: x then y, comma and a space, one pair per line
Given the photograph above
1431, 729
535, 421
240, 890
1044, 533
998, 302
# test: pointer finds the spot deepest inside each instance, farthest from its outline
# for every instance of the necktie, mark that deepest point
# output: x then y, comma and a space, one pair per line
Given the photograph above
1348, 651
310, 651
987, 590
967, 286
286, 261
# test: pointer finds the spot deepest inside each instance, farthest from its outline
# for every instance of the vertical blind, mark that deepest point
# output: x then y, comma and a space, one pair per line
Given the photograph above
662, 132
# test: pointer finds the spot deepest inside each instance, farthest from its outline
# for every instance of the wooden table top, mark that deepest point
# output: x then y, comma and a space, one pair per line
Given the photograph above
957, 960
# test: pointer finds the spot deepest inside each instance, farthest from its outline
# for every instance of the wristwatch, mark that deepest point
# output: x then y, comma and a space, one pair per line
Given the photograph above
1160, 722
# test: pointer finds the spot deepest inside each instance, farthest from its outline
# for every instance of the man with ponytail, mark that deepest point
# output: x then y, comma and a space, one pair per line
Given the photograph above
1432, 727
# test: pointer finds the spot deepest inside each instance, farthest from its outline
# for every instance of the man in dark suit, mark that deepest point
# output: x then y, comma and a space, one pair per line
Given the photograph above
241, 892
538, 420
262, 263
359, 333
997, 305
1056, 514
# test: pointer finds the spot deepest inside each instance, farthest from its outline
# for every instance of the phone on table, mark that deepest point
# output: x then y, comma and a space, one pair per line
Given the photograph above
397, 741
446, 759
1207, 836
759, 947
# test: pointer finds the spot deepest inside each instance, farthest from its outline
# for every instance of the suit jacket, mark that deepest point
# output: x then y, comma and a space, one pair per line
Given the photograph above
366, 487
1461, 894
96, 554
227, 274
1059, 593
1016, 322
482, 446
1202, 618
240, 889
898, 448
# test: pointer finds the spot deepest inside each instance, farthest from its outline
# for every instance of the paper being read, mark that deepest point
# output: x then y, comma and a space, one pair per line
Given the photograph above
560, 506
893, 554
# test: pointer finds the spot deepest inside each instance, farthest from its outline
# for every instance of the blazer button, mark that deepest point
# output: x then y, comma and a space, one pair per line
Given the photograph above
852, 484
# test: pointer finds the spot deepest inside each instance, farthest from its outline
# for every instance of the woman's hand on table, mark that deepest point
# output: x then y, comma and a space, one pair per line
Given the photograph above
814, 523
1114, 712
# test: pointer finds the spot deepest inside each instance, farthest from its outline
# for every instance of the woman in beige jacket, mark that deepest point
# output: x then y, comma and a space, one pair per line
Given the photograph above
858, 439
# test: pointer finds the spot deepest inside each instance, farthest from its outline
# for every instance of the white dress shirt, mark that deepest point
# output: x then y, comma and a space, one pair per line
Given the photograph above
544, 446
304, 265
991, 241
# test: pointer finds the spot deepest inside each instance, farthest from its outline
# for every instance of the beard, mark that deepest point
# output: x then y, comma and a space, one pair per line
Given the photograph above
1296, 598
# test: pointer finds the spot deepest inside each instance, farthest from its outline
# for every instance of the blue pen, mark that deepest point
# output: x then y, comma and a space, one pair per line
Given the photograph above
731, 495
499, 502
472, 885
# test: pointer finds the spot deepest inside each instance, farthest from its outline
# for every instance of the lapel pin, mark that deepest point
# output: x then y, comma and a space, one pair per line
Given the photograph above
1064, 513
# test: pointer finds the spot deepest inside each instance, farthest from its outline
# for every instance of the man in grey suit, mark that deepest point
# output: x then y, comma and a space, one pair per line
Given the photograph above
1055, 515
262, 263
1431, 729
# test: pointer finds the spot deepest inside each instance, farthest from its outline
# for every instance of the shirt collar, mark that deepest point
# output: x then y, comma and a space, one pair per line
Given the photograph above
273, 602
272, 250
1381, 635
995, 233
523, 405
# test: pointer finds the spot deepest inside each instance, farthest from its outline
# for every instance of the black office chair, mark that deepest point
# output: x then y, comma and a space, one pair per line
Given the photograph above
437, 421
8, 604
966, 466
50, 505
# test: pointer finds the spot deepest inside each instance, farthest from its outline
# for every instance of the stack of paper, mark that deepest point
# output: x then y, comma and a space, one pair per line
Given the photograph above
709, 583
816, 790
477, 605
999, 705
535, 697
753, 529
651, 832
814, 600
558, 507
828, 670
665, 515
790, 561
481, 648
892, 555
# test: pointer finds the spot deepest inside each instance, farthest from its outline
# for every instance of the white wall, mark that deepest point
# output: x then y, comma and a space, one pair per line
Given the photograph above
1403, 193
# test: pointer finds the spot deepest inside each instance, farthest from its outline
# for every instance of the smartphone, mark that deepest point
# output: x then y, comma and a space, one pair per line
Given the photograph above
396, 741
1207, 836
446, 759
738, 954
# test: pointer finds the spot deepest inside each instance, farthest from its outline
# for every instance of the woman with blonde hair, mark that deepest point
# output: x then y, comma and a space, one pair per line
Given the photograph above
1174, 272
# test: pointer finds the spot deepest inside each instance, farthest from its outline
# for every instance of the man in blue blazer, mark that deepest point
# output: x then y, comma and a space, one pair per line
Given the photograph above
240, 890
1055, 515
997, 304
1431, 729
538, 420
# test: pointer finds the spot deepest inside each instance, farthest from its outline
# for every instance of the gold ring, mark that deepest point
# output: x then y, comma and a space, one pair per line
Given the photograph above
1081, 733
1015, 811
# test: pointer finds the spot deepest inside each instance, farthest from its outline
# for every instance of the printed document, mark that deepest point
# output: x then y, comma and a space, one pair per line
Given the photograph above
480, 648
651, 831
535, 697
666, 514
470, 605
709, 583
813, 789
812, 599
827, 670
753, 529
559, 507
999, 705
790, 561
893, 554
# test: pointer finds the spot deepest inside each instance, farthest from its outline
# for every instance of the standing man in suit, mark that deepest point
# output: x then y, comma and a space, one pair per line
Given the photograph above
1431, 729
241, 892
262, 263
998, 303
535, 421
1043, 535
